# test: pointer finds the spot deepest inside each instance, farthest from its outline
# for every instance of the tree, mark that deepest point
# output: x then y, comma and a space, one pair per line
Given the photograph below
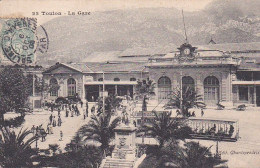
99, 129
15, 150
86, 157
192, 155
39, 84
163, 128
112, 102
190, 99
13, 90
144, 89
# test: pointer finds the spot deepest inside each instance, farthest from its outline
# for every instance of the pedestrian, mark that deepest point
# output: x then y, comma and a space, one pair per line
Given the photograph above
84, 116
33, 130
54, 122
59, 121
92, 98
51, 117
61, 135
202, 112
71, 113
67, 113
52, 107
37, 130
58, 111
50, 129
81, 103
69, 107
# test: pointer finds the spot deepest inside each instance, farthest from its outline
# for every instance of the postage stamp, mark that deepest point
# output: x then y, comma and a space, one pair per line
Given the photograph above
20, 40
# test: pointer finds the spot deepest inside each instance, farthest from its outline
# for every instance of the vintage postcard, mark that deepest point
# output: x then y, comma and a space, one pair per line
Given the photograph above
130, 84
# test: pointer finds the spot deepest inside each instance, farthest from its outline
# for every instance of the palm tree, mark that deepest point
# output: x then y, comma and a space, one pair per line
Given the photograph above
112, 102
190, 99
193, 155
99, 129
15, 150
163, 128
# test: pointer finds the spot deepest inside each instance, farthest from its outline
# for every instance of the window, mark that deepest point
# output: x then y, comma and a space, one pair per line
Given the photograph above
243, 93
211, 90
71, 87
100, 79
164, 88
116, 79
54, 87
188, 81
132, 79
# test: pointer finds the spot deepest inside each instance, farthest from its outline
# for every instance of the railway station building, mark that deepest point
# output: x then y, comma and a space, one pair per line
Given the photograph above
222, 73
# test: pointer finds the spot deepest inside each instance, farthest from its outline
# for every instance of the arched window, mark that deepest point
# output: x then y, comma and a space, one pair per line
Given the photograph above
71, 87
188, 81
132, 79
116, 79
211, 90
54, 87
164, 88
100, 79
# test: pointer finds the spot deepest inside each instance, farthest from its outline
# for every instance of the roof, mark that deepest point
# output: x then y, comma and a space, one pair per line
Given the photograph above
94, 67
115, 67
234, 47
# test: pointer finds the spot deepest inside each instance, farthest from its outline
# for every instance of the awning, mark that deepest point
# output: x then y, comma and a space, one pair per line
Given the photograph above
111, 83
245, 82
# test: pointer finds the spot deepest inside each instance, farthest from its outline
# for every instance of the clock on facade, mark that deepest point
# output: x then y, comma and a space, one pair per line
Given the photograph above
186, 51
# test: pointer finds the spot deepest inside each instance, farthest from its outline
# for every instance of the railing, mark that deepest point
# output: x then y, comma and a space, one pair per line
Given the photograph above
202, 128
214, 129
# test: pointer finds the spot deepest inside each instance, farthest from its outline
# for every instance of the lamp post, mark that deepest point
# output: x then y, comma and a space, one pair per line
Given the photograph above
103, 92
36, 142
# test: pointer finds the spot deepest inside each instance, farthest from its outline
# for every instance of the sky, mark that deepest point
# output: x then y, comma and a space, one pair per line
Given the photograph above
24, 8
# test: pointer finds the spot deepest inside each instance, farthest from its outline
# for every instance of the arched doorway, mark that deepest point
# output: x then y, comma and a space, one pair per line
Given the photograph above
188, 82
164, 88
211, 90
71, 87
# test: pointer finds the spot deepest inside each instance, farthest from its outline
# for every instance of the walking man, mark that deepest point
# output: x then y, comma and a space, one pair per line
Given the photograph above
51, 117
54, 122
202, 112
59, 121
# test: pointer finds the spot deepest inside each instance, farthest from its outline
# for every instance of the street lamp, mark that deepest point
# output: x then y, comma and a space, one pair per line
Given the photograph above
37, 138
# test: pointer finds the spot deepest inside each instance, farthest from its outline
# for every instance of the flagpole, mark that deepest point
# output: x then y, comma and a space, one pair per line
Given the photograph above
103, 93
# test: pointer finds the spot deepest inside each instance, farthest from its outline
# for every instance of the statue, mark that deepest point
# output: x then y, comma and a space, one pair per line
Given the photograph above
124, 117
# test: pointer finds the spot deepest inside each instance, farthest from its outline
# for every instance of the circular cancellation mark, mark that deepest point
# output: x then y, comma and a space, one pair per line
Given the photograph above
22, 39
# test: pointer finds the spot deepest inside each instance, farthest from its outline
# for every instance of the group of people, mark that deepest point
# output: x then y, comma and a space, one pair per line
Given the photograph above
54, 121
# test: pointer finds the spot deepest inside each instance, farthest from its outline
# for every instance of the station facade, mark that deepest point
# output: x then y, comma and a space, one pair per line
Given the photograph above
222, 73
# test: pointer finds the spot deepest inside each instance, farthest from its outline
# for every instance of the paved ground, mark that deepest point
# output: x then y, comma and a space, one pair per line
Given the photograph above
236, 152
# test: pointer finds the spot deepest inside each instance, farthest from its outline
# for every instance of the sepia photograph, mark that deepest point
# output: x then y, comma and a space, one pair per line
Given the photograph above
130, 84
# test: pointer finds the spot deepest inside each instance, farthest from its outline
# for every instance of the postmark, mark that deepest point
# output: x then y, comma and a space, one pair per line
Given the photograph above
21, 39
